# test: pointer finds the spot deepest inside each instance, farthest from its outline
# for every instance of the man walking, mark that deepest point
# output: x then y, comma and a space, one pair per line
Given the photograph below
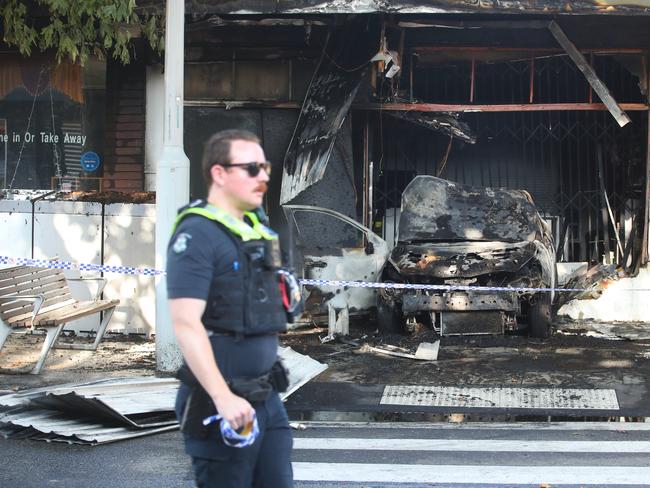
227, 309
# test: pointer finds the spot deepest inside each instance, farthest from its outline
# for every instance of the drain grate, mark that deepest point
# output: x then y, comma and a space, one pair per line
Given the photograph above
486, 397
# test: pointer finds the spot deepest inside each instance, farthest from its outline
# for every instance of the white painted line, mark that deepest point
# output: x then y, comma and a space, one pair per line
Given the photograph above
332, 443
500, 397
582, 426
419, 473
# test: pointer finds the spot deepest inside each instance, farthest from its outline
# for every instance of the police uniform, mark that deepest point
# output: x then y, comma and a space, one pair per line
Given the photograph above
225, 261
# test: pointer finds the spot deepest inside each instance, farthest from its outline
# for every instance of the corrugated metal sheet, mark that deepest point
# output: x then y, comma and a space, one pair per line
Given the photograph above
51, 426
122, 396
91, 413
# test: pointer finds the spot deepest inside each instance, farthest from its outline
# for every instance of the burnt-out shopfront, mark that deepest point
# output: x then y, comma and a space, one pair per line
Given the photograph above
352, 105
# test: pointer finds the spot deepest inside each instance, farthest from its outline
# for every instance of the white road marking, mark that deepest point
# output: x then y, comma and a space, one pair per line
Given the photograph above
374, 444
500, 397
563, 426
417, 473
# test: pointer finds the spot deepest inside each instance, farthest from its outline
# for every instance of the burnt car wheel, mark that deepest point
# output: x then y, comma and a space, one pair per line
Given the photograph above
540, 316
389, 318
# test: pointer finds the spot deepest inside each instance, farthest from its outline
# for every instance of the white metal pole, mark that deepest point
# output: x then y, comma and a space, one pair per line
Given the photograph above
172, 177
154, 129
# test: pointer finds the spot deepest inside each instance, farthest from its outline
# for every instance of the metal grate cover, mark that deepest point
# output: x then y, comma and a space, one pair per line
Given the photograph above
495, 397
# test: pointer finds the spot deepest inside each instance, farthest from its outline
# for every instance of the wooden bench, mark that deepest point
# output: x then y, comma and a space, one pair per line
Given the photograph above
39, 298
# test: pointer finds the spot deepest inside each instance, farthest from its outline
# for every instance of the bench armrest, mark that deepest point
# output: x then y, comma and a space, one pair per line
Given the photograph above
102, 285
37, 299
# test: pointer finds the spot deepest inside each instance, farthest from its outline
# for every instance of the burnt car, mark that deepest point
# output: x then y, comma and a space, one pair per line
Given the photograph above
458, 235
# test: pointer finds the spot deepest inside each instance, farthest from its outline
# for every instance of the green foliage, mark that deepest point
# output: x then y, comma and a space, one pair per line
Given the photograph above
77, 29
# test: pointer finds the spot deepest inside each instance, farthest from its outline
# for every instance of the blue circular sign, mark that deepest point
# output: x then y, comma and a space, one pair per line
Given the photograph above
90, 161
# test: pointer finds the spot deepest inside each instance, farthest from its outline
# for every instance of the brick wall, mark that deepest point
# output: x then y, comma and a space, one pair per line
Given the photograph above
125, 124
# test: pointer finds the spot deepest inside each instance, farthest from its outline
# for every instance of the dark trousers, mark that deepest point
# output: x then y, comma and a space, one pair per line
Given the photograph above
264, 464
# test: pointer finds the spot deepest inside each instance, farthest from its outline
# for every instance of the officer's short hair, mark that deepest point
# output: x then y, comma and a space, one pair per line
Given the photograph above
217, 149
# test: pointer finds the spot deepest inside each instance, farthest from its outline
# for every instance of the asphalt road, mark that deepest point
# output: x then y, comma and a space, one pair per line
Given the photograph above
366, 455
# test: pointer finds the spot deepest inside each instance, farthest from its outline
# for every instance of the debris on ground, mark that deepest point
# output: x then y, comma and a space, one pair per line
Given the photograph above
563, 360
426, 351
618, 331
593, 281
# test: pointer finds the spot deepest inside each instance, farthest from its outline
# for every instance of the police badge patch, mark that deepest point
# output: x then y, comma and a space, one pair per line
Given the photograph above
180, 244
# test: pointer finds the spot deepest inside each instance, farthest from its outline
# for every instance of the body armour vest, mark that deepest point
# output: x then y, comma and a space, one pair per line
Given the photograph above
246, 299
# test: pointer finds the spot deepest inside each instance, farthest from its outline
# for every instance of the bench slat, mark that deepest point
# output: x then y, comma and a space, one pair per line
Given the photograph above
26, 315
35, 287
58, 301
7, 287
71, 312
9, 309
17, 271
36, 275
9, 302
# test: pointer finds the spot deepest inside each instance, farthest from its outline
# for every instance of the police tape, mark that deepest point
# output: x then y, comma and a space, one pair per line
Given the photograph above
230, 436
69, 265
416, 286
128, 270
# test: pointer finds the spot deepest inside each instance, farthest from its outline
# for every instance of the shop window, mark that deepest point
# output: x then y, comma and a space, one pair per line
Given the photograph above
51, 119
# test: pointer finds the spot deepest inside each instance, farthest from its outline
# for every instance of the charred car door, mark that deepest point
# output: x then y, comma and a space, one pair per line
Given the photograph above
336, 247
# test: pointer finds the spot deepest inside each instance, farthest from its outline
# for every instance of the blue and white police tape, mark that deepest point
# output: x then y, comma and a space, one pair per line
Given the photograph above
416, 286
230, 436
128, 270
100, 268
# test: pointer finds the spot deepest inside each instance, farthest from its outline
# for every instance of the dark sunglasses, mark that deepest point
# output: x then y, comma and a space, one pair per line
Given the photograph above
253, 169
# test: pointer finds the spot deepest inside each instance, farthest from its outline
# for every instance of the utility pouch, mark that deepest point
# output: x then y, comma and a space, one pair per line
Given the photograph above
279, 377
198, 406
252, 389
185, 375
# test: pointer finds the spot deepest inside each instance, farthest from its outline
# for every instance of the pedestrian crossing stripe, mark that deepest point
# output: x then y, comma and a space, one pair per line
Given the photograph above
500, 397
493, 426
484, 445
485, 475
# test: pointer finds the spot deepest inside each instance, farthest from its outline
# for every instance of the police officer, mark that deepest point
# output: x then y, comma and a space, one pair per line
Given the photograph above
227, 309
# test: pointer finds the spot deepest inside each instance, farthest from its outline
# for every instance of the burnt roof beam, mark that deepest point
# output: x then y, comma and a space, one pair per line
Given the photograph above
473, 24
592, 78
